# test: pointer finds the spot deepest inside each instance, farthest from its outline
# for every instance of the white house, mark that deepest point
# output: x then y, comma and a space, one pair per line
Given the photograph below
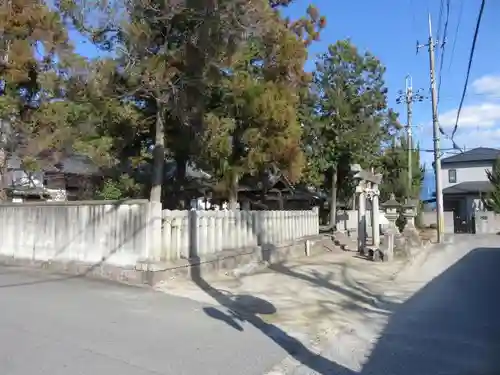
465, 182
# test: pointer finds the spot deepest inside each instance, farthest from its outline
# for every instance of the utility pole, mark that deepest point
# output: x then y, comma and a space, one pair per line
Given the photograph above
435, 131
409, 97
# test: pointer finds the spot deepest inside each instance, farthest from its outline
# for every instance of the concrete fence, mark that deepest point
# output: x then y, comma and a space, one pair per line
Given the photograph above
119, 233
348, 220
487, 222
428, 218
123, 233
187, 234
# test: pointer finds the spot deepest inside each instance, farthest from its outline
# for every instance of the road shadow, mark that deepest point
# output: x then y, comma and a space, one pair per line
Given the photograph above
450, 326
239, 309
353, 291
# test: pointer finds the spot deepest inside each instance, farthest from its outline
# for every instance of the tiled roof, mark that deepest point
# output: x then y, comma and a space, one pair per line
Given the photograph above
476, 154
469, 187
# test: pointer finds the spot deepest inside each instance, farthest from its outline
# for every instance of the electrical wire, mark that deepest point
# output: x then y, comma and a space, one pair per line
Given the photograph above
471, 58
457, 28
441, 8
441, 62
413, 18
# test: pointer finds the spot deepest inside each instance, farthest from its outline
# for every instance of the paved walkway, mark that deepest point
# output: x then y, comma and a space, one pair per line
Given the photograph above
71, 326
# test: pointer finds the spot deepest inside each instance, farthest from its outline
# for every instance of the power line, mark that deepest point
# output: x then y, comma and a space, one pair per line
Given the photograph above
457, 28
445, 32
413, 19
441, 8
471, 57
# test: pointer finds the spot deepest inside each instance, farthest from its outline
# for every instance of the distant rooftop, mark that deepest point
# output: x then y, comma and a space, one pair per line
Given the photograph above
476, 154
469, 187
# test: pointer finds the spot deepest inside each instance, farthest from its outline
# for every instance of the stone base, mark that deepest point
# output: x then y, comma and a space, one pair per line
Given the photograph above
148, 273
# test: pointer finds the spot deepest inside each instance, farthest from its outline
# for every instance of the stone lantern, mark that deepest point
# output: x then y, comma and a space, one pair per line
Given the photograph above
391, 208
409, 211
410, 232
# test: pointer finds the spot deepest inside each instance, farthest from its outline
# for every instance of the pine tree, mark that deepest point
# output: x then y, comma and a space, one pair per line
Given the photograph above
492, 202
37, 64
394, 167
253, 125
217, 81
350, 117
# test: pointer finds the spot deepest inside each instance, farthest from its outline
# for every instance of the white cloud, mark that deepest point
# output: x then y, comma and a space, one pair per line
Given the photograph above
479, 123
487, 85
485, 114
479, 138
465, 138
481, 115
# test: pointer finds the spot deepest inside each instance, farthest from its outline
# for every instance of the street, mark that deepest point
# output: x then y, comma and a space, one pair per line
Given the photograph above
65, 326
56, 325
450, 326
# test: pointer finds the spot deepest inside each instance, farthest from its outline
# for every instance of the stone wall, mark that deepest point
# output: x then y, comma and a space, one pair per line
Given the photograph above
118, 233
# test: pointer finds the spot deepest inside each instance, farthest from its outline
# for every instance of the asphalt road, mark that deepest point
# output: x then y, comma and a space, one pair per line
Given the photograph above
449, 327
71, 326
55, 326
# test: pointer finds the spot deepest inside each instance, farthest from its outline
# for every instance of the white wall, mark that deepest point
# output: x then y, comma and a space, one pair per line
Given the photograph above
473, 171
117, 233
430, 218
487, 223
196, 233
124, 233
348, 220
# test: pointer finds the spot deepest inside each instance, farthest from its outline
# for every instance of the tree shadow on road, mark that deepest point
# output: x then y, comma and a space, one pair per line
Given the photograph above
354, 292
450, 326
246, 308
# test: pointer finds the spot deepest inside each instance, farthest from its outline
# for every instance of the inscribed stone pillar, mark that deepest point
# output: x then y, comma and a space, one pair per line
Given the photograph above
375, 216
361, 217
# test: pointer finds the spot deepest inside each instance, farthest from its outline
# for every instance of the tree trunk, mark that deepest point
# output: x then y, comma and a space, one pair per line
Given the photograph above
158, 154
333, 205
3, 175
180, 177
233, 192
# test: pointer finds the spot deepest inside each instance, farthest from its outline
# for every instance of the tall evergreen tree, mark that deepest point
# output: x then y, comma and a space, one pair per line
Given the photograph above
351, 118
492, 201
394, 167
255, 124
41, 112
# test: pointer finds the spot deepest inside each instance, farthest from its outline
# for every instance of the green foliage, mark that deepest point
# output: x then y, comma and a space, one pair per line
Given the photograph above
123, 187
492, 202
44, 111
221, 84
394, 166
346, 117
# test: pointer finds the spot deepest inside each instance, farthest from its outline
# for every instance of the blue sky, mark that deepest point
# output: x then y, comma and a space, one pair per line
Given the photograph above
390, 30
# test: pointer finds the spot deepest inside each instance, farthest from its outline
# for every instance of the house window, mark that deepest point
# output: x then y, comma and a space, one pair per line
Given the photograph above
452, 176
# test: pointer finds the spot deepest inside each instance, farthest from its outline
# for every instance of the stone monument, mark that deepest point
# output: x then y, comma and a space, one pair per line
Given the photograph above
367, 188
